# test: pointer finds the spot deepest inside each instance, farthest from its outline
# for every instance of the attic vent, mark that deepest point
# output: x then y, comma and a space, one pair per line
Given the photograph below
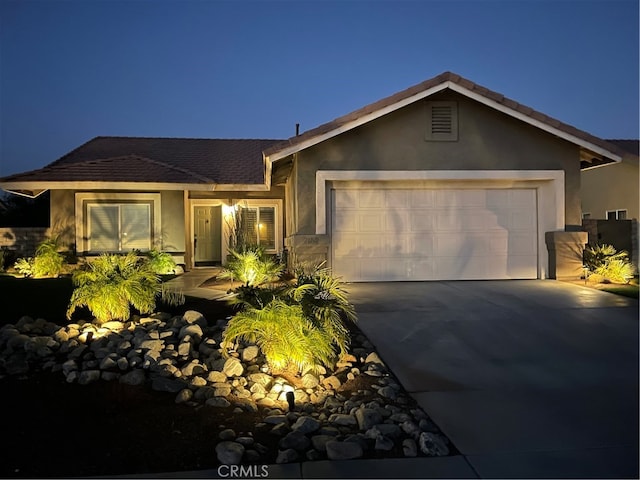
442, 121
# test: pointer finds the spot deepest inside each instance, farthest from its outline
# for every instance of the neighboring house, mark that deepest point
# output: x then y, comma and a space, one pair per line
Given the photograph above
611, 193
444, 180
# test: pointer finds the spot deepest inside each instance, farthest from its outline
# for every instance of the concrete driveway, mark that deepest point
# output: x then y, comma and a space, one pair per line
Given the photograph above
535, 379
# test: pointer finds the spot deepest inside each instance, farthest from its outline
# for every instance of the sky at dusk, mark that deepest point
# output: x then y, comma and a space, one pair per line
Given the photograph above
72, 70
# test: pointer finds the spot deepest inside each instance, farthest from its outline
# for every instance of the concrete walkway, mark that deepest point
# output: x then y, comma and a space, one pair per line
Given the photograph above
189, 284
528, 379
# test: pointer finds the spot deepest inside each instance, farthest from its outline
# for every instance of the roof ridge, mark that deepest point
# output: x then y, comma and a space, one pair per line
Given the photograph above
181, 138
447, 76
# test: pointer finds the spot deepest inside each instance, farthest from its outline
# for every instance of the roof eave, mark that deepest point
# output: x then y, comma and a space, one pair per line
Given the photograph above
24, 187
314, 140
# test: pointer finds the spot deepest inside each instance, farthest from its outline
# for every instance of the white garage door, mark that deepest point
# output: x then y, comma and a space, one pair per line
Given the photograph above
418, 234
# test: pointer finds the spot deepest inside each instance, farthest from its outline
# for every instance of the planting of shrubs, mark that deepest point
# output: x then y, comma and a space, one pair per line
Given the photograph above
298, 326
606, 263
111, 284
161, 263
48, 262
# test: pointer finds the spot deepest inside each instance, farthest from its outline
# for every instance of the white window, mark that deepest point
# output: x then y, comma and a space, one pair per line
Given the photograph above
617, 214
118, 227
257, 223
259, 226
117, 222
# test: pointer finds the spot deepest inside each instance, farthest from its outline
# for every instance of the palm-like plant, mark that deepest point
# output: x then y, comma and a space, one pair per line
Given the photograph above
606, 262
285, 335
251, 268
48, 262
111, 284
324, 301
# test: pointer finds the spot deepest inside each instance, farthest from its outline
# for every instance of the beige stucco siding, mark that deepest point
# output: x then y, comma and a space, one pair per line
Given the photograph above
487, 140
172, 221
612, 187
62, 217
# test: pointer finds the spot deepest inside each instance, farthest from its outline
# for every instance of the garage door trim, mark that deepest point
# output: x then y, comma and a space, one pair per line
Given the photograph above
548, 183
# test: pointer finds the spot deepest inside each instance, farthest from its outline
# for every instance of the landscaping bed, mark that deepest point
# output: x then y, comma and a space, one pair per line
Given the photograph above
57, 427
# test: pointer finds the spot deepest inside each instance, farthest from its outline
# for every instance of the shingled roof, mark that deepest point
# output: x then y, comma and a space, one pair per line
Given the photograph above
461, 85
157, 160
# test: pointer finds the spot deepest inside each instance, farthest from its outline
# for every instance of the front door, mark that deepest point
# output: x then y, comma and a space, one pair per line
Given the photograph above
207, 234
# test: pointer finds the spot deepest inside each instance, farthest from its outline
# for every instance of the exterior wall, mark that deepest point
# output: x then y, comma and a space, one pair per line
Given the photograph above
62, 220
172, 212
565, 254
612, 187
22, 240
487, 140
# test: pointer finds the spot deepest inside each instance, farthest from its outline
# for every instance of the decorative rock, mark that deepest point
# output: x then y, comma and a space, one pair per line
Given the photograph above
108, 363
194, 331
134, 377
280, 429
373, 358
88, 376
411, 429
275, 419
261, 378
310, 381
409, 447
343, 419
337, 450
219, 402
227, 434
296, 440
232, 368
388, 392
287, 456
332, 382
246, 441
184, 395
319, 442
250, 353
221, 389
433, 445
367, 418
216, 377
229, 453
191, 316
197, 382
389, 430
306, 425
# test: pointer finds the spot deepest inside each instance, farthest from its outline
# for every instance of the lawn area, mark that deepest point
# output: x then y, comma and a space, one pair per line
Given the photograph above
624, 290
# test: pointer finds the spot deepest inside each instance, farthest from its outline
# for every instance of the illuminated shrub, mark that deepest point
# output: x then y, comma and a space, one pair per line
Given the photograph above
300, 325
161, 263
605, 262
111, 284
286, 337
252, 268
48, 262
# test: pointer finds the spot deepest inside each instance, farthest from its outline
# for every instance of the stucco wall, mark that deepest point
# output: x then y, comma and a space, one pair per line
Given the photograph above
488, 140
612, 187
172, 212
63, 217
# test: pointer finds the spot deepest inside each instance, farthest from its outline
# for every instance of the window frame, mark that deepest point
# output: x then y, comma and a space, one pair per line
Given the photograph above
277, 213
617, 213
84, 200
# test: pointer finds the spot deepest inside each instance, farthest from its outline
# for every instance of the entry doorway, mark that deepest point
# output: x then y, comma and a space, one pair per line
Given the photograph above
207, 234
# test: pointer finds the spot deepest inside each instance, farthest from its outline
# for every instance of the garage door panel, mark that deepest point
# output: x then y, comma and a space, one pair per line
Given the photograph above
411, 234
422, 198
371, 198
396, 220
370, 222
